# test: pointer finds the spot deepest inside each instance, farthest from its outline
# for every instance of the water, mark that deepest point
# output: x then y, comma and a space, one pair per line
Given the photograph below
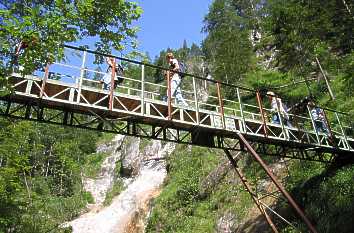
129, 210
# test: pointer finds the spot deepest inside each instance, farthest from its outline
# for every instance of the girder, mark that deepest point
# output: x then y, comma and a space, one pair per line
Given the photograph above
132, 126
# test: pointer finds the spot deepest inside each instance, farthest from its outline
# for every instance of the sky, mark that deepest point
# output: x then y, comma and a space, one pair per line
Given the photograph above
167, 23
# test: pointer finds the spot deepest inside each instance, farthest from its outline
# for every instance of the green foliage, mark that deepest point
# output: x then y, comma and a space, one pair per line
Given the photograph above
118, 185
327, 197
45, 26
182, 208
40, 175
105, 138
93, 164
227, 47
117, 188
302, 31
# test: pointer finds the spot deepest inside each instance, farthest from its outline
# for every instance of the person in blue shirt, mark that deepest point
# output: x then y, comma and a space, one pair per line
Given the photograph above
318, 117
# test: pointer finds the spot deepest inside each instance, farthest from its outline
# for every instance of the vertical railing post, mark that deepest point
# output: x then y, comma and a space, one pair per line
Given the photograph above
279, 106
142, 89
221, 105
44, 81
314, 125
260, 106
196, 104
241, 111
342, 130
82, 73
169, 108
328, 125
111, 91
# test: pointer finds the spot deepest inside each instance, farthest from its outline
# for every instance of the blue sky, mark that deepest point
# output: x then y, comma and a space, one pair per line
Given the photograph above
166, 23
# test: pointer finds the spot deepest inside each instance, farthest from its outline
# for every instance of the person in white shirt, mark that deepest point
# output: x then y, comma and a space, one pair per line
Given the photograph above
175, 79
278, 110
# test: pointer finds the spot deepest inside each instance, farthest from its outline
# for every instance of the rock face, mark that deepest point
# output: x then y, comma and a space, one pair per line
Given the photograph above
215, 177
226, 223
131, 157
99, 186
144, 173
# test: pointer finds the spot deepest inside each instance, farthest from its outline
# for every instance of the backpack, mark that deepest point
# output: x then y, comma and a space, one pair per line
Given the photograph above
182, 68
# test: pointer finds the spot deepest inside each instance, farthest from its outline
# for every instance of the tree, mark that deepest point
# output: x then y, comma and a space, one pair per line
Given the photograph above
33, 32
227, 46
302, 31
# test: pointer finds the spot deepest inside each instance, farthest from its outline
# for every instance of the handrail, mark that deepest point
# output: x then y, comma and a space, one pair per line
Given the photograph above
185, 74
154, 66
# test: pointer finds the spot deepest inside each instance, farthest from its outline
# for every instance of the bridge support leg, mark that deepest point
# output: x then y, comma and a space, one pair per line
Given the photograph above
249, 190
291, 201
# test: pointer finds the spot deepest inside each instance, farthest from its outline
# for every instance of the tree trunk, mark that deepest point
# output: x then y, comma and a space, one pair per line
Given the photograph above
27, 187
325, 77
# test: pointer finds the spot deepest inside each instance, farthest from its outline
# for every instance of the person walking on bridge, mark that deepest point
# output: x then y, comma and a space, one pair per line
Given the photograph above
318, 118
175, 79
107, 78
278, 109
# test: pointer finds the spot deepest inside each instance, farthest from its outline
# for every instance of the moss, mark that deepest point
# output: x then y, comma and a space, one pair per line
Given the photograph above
144, 142
88, 197
93, 164
117, 188
118, 185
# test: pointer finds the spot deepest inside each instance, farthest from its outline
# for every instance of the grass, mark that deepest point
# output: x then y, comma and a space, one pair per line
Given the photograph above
182, 208
117, 186
115, 191
93, 164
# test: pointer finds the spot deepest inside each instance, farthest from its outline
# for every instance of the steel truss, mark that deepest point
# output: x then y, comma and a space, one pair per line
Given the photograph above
134, 126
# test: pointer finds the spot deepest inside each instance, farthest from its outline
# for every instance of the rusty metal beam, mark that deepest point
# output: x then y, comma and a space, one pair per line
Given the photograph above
277, 183
249, 190
221, 104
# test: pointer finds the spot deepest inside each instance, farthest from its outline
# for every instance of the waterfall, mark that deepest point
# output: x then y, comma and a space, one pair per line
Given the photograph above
99, 186
128, 210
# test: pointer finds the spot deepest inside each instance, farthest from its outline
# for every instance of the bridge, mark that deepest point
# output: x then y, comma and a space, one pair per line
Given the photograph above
219, 115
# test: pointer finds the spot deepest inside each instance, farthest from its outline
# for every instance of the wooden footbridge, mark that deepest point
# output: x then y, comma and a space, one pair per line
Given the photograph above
68, 92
